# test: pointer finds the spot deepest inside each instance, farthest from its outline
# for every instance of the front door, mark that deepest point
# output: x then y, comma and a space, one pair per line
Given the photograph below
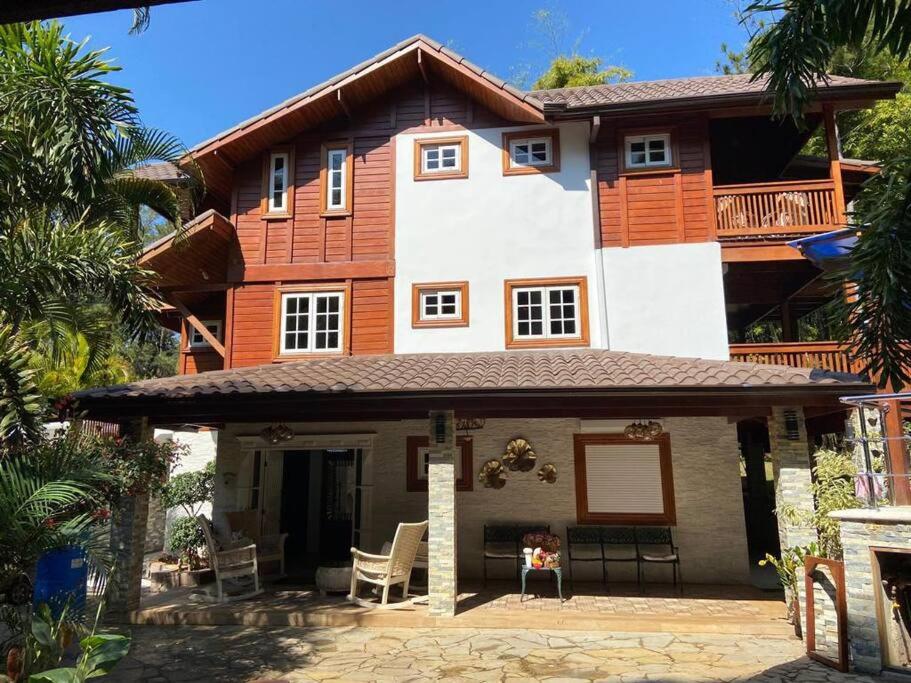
336, 523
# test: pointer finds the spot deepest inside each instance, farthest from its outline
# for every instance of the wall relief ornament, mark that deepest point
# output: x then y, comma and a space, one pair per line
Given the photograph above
548, 473
519, 456
492, 475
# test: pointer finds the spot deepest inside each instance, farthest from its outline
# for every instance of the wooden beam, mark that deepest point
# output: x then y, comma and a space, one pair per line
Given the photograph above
344, 104
198, 326
745, 253
13, 12
897, 450
833, 146
422, 68
595, 129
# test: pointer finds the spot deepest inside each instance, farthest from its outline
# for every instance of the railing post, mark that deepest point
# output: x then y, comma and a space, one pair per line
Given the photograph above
834, 150
897, 450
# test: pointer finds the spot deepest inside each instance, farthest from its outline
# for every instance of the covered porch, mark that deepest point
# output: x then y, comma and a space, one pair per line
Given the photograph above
369, 415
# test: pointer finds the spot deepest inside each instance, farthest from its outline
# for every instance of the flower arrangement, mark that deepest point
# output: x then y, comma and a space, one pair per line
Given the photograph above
546, 549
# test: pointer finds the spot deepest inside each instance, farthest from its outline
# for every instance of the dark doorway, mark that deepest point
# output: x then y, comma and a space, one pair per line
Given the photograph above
295, 512
758, 500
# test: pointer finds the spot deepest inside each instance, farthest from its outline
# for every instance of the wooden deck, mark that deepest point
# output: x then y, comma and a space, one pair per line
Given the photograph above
701, 609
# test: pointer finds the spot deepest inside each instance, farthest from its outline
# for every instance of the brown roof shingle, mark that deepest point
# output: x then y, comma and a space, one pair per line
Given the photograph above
672, 89
593, 369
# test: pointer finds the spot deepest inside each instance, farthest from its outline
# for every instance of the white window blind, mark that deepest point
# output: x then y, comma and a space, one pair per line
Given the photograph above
623, 479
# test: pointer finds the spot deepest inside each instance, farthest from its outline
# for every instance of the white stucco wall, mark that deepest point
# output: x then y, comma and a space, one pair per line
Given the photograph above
488, 228
201, 447
666, 300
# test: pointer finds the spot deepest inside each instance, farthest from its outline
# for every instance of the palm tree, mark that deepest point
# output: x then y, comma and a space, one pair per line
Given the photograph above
793, 52
70, 228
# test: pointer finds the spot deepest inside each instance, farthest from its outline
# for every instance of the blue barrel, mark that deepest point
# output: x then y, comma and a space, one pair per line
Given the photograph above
61, 576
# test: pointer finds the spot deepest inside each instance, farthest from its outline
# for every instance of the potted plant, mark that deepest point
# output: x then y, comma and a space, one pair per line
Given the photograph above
189, 491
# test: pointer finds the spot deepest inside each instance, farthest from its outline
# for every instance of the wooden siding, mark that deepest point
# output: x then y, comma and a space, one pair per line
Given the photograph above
658, 206
273, 252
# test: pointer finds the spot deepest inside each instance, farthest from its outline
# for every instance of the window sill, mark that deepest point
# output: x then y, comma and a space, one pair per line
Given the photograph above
289, 358
441, 176
335, 213
531, 170
277, 216
417, 324
545, 343
198, 349
652, 170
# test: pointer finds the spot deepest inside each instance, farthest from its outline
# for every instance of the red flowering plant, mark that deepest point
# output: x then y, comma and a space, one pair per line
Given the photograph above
137, 466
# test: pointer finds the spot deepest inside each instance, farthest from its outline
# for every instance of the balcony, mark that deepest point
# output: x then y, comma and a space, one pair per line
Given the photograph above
825, 355
775, 209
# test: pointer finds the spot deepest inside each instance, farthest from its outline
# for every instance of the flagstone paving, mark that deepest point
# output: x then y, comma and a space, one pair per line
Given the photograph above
162, 654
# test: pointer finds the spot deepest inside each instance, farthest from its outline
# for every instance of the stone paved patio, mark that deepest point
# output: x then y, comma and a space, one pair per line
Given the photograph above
233, 653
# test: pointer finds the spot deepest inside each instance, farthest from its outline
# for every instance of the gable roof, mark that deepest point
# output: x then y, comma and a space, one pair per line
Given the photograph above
422, 57
735, 88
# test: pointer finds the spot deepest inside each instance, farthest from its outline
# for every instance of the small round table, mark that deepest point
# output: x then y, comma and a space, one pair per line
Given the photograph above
556, 571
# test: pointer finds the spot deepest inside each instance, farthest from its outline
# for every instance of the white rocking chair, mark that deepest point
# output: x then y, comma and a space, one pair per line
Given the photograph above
389, 570
234, 565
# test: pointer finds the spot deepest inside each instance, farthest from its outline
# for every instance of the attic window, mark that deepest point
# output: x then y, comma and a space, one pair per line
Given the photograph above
278, 182
196, 338
441, 158
336, 178
648, 151
536, 151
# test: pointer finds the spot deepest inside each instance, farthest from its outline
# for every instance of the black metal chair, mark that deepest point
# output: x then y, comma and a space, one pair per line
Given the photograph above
504, 542
619, 544
583, 544
665, 552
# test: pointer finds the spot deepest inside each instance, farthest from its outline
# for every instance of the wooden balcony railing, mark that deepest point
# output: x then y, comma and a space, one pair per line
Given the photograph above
775, 208
826, 355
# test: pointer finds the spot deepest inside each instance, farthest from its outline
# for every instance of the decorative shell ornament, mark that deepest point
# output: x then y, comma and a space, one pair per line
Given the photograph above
548, 473
492, 475
519, 456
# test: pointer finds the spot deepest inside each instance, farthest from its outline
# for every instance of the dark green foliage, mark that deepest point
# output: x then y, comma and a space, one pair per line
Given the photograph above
185, 538
190, 489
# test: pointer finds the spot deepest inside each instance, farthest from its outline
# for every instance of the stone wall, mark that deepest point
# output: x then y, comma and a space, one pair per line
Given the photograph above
862, 530
710, 519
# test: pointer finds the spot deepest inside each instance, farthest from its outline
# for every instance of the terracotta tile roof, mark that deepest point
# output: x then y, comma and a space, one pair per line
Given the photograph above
162, 170
456, 372
672, 89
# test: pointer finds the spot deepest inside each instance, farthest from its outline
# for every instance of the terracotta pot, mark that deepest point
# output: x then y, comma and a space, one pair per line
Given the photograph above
196, 577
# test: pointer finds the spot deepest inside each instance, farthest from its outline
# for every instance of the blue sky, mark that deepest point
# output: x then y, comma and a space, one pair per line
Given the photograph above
203, 66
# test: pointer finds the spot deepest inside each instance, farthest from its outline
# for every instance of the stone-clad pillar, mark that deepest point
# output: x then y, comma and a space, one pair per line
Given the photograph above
793, 480
128, 533
441, 504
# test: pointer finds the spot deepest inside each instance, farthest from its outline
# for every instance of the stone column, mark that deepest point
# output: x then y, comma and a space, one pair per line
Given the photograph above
793, 484
129, 519
442, 551
791, 463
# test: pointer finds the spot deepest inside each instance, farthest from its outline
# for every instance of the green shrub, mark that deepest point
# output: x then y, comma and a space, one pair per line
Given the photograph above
189, 490
185, 538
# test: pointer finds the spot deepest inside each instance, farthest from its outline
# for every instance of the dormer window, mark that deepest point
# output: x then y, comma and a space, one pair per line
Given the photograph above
336, 178
279, 172
441, 158
648, 151
536, 151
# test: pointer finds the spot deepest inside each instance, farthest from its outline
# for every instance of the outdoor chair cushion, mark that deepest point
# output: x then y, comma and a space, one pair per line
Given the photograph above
501, 550
671, 557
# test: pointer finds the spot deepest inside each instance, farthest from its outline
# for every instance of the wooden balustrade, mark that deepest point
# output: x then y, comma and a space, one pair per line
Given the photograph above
783, 208
826, 355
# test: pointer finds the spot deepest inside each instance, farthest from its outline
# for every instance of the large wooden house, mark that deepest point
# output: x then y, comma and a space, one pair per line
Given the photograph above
417, 235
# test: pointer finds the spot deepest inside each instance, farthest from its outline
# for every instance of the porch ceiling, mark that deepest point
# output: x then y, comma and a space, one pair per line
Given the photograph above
589, 383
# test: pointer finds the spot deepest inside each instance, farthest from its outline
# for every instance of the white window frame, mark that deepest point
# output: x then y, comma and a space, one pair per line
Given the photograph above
312, 296
424, 293
646, 139
342, 179
548, 148
195, 340
546, 319
272, 207
424, 462
457, 151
